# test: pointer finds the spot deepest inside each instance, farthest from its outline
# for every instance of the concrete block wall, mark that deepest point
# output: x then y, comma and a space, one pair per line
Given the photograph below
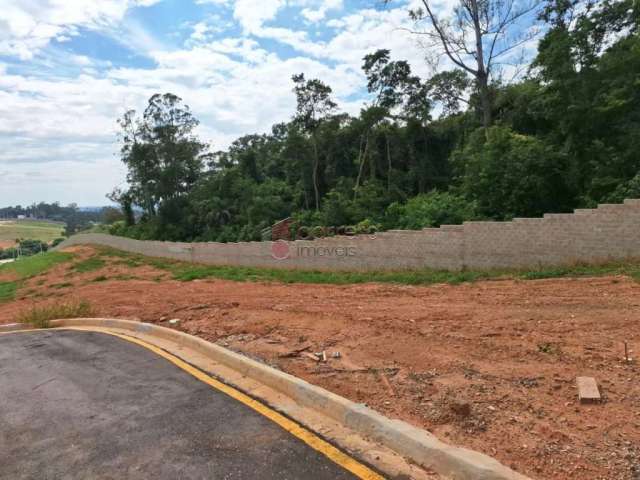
609, 232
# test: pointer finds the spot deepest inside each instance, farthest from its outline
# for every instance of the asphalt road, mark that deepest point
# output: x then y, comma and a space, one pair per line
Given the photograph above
80, 405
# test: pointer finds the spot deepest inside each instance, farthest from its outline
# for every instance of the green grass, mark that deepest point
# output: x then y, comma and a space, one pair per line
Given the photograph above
89, 265
28, 267
100, 278
186, 272
10, 230
7, 291
25, 268
631, 269
40, 317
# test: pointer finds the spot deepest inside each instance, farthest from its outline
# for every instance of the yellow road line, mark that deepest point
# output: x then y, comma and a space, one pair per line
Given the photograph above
308, 437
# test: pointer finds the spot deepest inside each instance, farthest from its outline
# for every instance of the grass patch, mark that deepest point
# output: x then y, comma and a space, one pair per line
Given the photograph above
89, 265
630, 269
100, 278
28, 267
187, 272
7, 291
40, 317
10, 230
25, 268
62, 285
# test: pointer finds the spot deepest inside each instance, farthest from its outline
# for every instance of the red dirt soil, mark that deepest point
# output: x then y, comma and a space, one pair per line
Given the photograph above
488, 365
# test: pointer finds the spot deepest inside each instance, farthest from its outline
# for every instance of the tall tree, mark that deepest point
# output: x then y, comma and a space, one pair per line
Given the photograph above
398, 95
480, 36
163, 156
314, 104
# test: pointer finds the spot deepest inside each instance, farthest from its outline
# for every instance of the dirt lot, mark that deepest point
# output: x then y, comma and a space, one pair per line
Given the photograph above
6, 244
488, 365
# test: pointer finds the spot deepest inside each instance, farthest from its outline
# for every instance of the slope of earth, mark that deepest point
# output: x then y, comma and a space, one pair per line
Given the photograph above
489, 365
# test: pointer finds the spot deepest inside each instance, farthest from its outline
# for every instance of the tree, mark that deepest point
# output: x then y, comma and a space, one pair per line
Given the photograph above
314, 104
588, 65
512, 175
163, 156
431, 210
566, 136
111, 215
479, 37
397, 95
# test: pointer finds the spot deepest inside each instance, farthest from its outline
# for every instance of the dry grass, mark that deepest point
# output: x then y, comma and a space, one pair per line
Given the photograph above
41, 316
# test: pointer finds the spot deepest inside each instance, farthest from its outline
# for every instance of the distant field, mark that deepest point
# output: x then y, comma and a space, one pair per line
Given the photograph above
10, 230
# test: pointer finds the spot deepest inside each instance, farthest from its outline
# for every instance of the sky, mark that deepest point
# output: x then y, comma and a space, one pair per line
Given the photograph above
70, 68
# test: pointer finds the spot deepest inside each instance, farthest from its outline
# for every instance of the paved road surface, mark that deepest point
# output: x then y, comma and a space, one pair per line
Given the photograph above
80, 405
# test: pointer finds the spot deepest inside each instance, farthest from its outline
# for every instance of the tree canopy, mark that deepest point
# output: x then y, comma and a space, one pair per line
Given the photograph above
462, 144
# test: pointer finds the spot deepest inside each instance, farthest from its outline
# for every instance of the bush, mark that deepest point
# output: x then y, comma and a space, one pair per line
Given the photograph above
8, 253
430, 210
31, 247
630, 189
57, 242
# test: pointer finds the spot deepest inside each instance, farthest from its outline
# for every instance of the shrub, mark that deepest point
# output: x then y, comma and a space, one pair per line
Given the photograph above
430, 210
57, 242
509, 174
41, 316
629, 189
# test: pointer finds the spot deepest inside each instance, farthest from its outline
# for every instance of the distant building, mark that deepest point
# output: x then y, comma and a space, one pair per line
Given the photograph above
21, 217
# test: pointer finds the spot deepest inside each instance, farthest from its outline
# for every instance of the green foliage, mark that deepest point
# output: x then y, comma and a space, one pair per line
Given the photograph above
630, 189
25, 248
431, 210
7, 291
509, 174
566, 136
57, 241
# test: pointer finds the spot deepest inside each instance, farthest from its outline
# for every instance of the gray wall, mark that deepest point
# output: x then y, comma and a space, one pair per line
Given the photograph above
606, 233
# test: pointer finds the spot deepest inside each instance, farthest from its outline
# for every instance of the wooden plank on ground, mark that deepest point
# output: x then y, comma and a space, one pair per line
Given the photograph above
588, 390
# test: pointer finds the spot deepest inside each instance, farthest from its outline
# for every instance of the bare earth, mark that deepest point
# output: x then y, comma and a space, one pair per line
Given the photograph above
488, 365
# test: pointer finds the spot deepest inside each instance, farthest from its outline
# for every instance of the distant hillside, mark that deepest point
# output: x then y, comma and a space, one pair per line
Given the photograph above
45, 231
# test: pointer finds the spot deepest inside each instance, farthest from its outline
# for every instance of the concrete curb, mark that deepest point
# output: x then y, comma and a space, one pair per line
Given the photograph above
12, 327
418, 445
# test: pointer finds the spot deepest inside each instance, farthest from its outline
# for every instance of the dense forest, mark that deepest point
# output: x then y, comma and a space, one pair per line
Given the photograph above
462, 144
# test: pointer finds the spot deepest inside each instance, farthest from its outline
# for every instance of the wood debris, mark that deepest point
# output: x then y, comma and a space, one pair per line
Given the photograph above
588, 390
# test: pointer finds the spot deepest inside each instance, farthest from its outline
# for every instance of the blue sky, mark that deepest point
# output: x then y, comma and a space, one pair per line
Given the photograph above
70, 68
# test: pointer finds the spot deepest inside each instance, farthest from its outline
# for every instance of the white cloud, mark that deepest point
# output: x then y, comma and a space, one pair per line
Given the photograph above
26, 27
316, 14
57, 132
252, 14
